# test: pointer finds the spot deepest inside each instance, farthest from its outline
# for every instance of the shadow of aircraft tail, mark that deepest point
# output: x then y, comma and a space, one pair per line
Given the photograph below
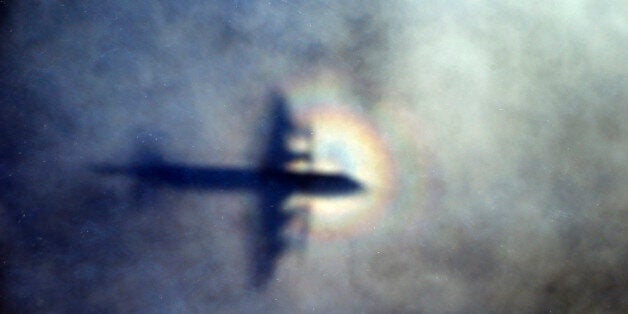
146, 155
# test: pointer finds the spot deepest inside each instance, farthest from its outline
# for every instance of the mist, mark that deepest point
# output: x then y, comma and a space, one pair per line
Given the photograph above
505, 124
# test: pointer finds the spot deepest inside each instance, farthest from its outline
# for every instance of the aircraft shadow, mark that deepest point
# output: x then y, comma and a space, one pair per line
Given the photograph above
267, 223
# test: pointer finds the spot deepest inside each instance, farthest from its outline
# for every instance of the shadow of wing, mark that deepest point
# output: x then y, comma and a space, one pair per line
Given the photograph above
268, 241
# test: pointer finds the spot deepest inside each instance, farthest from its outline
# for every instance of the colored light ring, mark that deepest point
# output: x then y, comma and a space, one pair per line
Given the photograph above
383, 148
344, 141
418, 186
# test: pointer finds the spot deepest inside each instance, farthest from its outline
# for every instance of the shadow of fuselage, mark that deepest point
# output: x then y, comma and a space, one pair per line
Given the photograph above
183, 176
273, 186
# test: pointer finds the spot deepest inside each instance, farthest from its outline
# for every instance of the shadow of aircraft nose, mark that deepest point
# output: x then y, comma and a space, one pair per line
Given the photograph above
355, 186
346, 185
